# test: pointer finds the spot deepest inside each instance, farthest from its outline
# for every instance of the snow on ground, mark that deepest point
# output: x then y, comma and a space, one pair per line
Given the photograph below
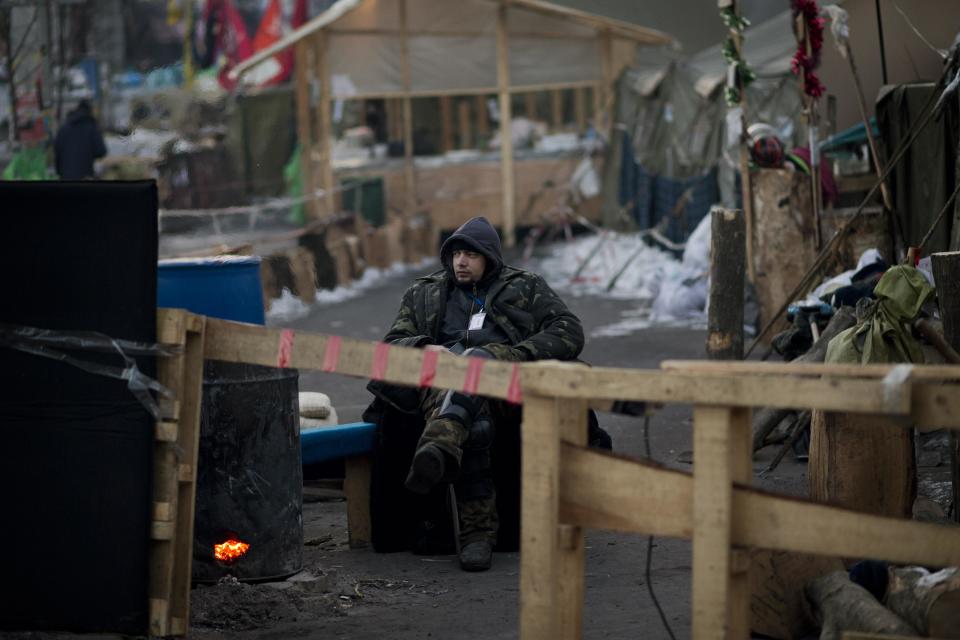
289, 307
667, 291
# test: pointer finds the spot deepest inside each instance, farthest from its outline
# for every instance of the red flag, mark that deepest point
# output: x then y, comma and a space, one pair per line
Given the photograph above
280, 18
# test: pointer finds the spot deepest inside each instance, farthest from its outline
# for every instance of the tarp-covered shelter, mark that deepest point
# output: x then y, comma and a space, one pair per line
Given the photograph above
675, 155
404, 49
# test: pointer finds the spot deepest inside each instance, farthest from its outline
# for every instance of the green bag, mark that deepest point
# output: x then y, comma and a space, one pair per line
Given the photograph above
30, 163
882, 334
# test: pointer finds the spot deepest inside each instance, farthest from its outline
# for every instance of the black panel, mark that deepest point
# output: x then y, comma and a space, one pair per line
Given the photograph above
76, 458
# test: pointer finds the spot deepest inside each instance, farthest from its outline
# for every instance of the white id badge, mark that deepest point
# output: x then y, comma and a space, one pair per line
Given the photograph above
476, 321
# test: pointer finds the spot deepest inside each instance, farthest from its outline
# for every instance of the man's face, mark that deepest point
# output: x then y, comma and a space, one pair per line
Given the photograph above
468, 266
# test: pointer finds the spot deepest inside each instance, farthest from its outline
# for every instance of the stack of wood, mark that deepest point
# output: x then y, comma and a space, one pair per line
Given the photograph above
795, 594
337, 253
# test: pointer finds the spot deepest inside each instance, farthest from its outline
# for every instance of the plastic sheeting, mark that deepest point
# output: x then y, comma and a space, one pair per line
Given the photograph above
452, 46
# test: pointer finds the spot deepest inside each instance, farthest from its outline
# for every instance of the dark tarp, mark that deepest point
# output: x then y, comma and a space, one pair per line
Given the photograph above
76, 463
261, 135
927, 174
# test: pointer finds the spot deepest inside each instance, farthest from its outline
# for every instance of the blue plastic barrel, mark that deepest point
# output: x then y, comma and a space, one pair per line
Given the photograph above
225, 287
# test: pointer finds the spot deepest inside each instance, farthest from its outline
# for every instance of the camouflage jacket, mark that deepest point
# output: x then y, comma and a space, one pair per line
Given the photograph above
535, 319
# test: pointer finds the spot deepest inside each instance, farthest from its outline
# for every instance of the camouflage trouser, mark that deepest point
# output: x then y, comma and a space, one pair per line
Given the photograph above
477, 507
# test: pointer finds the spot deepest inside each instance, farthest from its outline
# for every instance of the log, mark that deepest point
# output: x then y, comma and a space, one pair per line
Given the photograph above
766, 420
946, 276
930, 602
841, 605
777, 606
864, 463
727, 272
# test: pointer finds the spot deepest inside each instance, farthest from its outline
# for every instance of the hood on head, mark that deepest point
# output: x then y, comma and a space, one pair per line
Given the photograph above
479, 234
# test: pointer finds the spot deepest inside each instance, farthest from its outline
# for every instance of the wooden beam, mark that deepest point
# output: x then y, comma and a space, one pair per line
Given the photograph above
506, 129
324, 123
818, 369
530, 105
580, 109
727, 281
409, 177
605, 115
604, 491
539, 519
556, 109
577, 381
356, 486
463, 124
446, 124
459, 33
466, 91
714, 429
483, 126
741, 451
304, 130
571, 416
622, 29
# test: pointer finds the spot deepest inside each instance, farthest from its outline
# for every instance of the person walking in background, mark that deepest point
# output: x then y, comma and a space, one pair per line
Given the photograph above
78, 143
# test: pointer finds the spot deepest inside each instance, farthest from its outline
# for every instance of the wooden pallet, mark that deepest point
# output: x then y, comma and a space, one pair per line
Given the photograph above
175, 461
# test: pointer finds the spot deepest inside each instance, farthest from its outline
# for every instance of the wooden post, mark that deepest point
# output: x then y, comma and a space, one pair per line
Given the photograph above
745, 178
446, 123
530, 105
324, 123
463, 124
572, 420
580, 109
946, 274
304, 130
483, 127
507, 186
556, 109
540, 560
720, 594
727, 263
605, 115
409, 178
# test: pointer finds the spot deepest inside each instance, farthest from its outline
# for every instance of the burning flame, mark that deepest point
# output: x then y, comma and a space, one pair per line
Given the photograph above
230, 550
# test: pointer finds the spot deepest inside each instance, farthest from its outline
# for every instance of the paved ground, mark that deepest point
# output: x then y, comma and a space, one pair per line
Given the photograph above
361, 594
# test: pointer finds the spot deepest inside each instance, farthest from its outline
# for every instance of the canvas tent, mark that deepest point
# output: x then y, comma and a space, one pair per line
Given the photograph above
404, 49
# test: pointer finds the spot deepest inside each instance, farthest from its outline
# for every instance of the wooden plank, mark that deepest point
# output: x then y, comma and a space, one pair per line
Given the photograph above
604, 491
162, 531
741, 465
324, 124
508, 190
712, 518
463, 124
239, 342
188, 444
556, 109
604, 116
571, 416
539, 519
163, 511
356, 485
166, 431
483, 126
530, 105
580, 109
304, 130
472, 91
409, 177
917, 372
594, 383
446, 124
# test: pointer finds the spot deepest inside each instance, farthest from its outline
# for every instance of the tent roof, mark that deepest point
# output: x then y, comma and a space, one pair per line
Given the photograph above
344, 13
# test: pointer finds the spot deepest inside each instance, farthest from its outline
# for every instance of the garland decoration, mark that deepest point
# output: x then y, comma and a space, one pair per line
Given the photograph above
739, 75
803, 64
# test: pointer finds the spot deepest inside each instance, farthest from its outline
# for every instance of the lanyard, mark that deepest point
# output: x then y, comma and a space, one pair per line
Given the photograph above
476, 299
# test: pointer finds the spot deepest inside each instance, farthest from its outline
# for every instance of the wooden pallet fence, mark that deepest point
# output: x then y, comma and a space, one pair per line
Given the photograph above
568, 488
175, 461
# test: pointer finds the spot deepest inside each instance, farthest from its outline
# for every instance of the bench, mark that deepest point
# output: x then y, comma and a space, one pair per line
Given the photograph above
353, 443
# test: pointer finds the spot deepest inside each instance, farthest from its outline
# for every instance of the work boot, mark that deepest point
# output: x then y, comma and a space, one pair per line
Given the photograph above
476, 556
427, 469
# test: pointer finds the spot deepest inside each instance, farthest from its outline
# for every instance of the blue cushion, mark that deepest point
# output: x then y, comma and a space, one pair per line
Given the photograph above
320, 444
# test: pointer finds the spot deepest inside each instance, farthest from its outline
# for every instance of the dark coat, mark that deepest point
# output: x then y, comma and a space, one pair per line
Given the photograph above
520, 303
77, 145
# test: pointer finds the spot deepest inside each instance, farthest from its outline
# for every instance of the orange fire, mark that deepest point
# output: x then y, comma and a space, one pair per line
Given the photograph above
230, 550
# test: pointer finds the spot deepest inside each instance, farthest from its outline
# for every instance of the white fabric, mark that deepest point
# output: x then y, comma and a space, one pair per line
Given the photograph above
330, 421
314, 404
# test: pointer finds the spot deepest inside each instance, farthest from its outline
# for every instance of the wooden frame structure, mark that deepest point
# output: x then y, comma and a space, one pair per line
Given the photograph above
177, 438
568, 488
315, 92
